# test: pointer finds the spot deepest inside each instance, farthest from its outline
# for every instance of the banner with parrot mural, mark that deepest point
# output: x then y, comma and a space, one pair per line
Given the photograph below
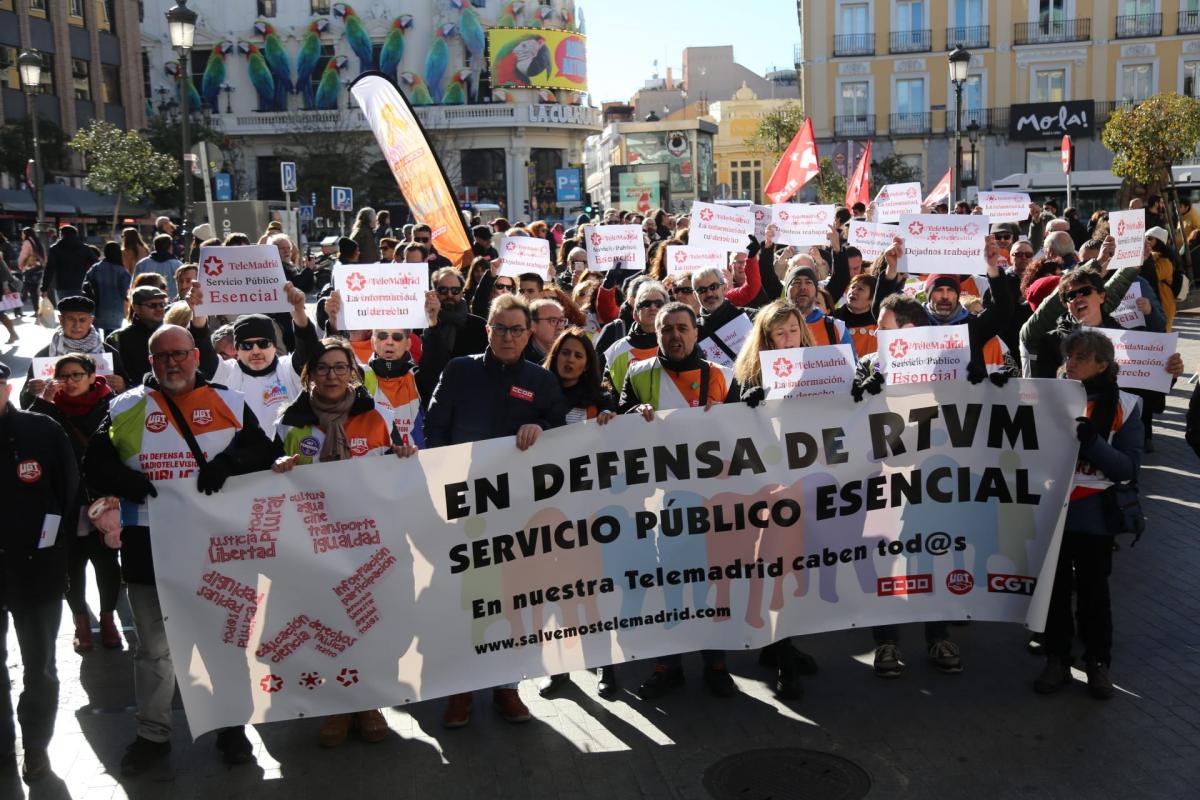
532, 58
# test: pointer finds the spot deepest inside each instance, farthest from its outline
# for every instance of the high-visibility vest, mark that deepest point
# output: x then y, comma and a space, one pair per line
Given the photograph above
368, 434
398, 397
681, 389
1088, 479
621, 355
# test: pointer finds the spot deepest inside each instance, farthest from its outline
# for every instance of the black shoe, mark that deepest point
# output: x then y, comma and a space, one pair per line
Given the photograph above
887, 661
608, 686
719, 682
36, 766
142, 754
787, 680
235, 748
663, 680
1055, 675
548, 687
1099, 683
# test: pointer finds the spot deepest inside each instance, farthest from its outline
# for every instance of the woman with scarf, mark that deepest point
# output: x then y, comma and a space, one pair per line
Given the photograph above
76, 333
642, 342
78, 400
334, 419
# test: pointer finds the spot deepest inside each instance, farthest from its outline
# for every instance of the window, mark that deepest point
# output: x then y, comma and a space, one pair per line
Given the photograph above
1043, 161
46, 84
968, 13
856, 100
104, 15
1191, 78
319, 6
6, 5
910, 15
1133, 8
972, 93
910, 96
486, 172
1051, 14
75, 12
9, 76
855, 19
326, 54
913, 162
39, 8
746, 179
110, 84
80, 82
266, 8
1049, 86
1137, 81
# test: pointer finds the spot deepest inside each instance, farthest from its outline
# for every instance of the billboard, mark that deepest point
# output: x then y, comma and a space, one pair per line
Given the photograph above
544, 59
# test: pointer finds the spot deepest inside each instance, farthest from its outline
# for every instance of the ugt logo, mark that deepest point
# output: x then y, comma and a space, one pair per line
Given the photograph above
782, 367
916, 228
213, 266
898, 348
706, 214
355, 282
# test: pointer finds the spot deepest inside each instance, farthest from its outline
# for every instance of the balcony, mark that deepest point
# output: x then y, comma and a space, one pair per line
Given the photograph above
1189, 22
990, 120
798, 55
1104, 111
1052, 31
911, 41
1137, 25
854, 44
971, 37
854, 126
434, 118
910, 124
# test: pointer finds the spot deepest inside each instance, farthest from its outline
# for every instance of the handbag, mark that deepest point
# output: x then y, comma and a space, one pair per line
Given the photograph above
1123, 510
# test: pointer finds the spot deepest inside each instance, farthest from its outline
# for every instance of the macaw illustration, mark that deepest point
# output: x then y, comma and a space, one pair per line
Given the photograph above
214, 75
437, 59
327, 90
193, 97
393, 45
509, 14
418, 93
456, 92
540, 16
471, 30
546, 96
520, 60
503, 96
260, 75
356, 35
277, 60
307, 58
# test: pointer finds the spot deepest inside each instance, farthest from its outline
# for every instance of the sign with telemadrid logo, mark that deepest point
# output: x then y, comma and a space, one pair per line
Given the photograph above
808, 371
1143, 358
873, 239
1129, 229
241, 280
681, 258
924, 355
381, 295
951, 243
611, 246
520, 255
719, 227
1005, 206
802, 225
896, 199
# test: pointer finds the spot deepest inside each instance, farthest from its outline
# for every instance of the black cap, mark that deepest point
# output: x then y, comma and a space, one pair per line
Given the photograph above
253, 326
482, 232
76, 303
346, 246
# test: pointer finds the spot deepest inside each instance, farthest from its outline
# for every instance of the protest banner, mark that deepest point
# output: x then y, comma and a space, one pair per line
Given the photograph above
1143, 358
723, 345
306, 593
872, 239
611, 246
241, 280
762, 218
924, 355
11, 300
1004, 206
1128, 314
381, 295
681, 258
808, 371
520, 255
802, 225
43, 368
896, 199
952, 243
718, 227
1129, 229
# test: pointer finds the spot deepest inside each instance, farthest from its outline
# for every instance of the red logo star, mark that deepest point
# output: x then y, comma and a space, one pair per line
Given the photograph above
271, 684
1121, 228
912, 191
898, 348
355, 282
783, 215
596, 239
916, 228
860, 232
972, 229
311, 680
510, 245
213, 266
680, 256
706, 214
348, 676
782, 367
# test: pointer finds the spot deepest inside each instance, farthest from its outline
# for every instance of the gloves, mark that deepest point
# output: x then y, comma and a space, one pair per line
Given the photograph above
872, 385
1000, 378
976, 372
212, 475
753, 396
612, 278
1085, 431
139, 488
754, 247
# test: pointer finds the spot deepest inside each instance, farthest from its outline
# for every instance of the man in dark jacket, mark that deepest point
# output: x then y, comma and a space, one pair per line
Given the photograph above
38, 492
149, 305
67, 264
452, 331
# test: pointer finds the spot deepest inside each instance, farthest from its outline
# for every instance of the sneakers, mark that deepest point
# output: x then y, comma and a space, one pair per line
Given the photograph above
607, 686
1099, 683
887, 661
335, 729
235, 748
36, 766
664, 679
458, 711
509, 704
83, 634
142, 754
550, 686
110, 637
372, 727
944, 654
1055, 675
719, 682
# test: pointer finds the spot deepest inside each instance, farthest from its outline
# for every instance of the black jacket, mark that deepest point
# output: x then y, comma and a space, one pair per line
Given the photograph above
457, 334
66, 264
132, 343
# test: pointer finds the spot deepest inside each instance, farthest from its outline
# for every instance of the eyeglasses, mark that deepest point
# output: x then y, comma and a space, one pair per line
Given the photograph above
157, 305
684, 290
642, 306
421, 241
557, 322
449, 290
250, 344
1023, 254
175, 356
71, 376
1083, 291
1003, 237
712, 287
383, 336
506, 331
506, 287
337, 369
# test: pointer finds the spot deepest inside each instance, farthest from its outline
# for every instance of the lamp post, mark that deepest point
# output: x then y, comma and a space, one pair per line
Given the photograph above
29, 64
227, 90
181, 22
973, 138
960, 61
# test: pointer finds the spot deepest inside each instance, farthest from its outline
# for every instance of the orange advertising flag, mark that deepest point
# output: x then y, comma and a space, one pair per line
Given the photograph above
799, 165
859, 188
941, 191
415, 166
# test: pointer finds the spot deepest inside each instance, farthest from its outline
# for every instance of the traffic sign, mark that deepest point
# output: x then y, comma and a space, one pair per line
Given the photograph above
287, 174
567, 188
342, 198
224, 182
306, 213
1066, 154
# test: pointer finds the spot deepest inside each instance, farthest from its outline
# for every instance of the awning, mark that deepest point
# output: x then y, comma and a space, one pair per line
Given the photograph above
64, 200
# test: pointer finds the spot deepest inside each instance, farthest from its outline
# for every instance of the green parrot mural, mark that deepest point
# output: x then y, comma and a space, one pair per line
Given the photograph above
509, 15
456, 92
418, 92
393, 45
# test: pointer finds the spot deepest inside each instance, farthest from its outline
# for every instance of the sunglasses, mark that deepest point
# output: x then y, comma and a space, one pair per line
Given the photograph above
1084, 291
506, 287
250, 344
422, 241
684, 290
1006, 237
157, 305
395, 337
712, 287
1022, 254
450, 290
642, 306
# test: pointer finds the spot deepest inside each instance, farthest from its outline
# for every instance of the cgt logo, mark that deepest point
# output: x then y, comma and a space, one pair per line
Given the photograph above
959, 581
904, 584
898, 348
706, 214
1011, 584
213, 266
156, 422
916, 228
782, 367
355, 282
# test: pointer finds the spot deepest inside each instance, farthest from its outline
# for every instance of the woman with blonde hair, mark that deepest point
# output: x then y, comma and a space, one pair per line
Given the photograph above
133, 248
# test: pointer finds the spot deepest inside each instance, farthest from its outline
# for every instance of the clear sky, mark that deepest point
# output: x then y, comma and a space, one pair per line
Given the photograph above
626, 37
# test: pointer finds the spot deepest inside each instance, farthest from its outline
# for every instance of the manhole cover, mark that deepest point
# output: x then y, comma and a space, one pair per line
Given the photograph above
786, 772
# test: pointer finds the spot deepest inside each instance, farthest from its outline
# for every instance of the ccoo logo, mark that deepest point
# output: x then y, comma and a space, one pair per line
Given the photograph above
904, 584
213, 266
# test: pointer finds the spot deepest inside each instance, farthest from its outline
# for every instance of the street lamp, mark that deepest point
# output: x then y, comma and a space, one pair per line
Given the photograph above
960, 61
227, 90
181, 22
973, 138
29, 64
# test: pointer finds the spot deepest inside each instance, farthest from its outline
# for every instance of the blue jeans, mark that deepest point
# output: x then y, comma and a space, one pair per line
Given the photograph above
37, 627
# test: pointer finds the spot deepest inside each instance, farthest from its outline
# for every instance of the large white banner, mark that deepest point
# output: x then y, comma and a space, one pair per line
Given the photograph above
1129, 229
952, 243
390, 295
242, 280
717, 227
379, 581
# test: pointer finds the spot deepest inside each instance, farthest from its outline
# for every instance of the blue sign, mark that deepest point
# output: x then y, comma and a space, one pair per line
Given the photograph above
343, 198
287, 175
224, 186
306, 213
566, 186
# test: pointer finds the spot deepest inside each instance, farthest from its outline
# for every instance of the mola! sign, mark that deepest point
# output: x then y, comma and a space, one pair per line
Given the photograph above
1028, 121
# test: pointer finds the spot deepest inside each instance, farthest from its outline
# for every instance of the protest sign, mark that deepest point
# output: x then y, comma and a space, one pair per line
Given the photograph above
1143, 358
924, 355
1005, 206
689, 259
1129, 229
718, 227
523, 254
952, 243
896, 199
10, 300
808, 371
611, 246
762, 218
381, 295
872, 239
241, 280
43, 368
1128, 314
723, 345
305, 593
802, 225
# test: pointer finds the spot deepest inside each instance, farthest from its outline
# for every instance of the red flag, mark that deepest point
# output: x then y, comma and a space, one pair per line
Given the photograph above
941, 191
799, 165
859, 188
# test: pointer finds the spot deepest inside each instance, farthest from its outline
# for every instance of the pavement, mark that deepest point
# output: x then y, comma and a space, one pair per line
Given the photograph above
982, 733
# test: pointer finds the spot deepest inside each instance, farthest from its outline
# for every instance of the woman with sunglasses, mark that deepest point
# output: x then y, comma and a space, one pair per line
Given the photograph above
679, 287
641, 342
333, 419
78, 400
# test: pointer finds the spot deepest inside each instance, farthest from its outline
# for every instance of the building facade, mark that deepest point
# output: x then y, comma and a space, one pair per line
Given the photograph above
709, 74
742, 171
641, 166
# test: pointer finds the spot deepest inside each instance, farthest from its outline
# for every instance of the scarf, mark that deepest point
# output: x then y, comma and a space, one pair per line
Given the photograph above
955, 318
82, 405
258, 373
331, 418
391, 369
60, 345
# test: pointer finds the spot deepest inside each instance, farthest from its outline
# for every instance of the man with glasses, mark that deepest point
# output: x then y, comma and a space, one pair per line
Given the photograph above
163, 423
148, 305
423, 235
679, 287
495, 393
721, 322
452, 330
76, 333
547, 321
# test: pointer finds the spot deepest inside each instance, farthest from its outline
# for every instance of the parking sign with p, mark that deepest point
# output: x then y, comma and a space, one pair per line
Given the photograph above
342, 198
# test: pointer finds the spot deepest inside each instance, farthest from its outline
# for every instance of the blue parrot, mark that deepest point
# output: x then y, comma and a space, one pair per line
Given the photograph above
437, 59
194, 101
260, 75
277, 60
214, 75
327, 91
393, 46
306, 60
356, 34
471, 30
